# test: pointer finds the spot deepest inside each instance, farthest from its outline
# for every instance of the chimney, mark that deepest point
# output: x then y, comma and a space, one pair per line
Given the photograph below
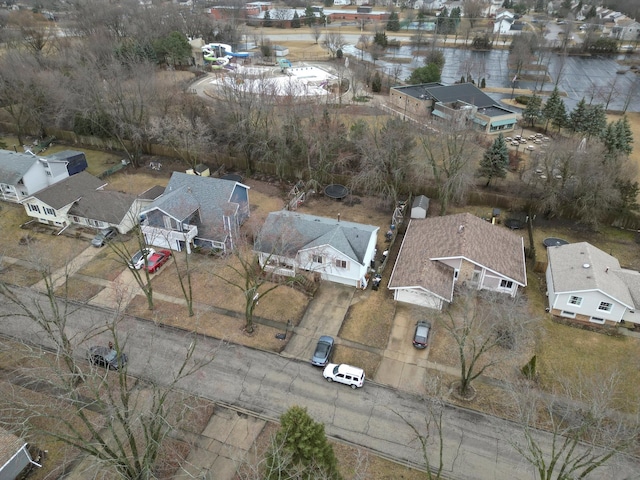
338, 218
606, 270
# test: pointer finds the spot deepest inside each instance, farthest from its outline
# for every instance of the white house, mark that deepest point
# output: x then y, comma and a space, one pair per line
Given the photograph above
23, 174
589, 286
51, 205
439, 252
338, 251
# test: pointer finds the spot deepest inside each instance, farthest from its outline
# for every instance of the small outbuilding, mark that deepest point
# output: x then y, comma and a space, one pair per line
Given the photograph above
14, 456
77, 161
420, 207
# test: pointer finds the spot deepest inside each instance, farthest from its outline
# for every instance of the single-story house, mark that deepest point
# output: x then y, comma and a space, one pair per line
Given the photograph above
589, 286
203, 211
339, 251
439, 252
14, 455
51, 205
461, 102
23, 174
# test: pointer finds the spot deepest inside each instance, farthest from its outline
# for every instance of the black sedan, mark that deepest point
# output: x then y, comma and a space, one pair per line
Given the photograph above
323, 351
107, 357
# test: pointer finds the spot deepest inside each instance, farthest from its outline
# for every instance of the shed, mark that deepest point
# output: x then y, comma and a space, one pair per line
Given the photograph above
77, 161
420, 207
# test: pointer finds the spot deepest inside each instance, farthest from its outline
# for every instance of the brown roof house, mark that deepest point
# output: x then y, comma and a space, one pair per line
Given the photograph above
589, 286
439, 252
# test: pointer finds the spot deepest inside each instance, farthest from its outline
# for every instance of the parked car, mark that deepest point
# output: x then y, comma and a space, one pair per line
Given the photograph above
107, 357
421, 335
103, 236
344, 373
137, 260
323, 351
155, 261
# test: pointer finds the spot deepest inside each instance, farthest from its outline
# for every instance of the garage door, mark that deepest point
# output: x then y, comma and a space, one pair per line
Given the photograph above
417, 297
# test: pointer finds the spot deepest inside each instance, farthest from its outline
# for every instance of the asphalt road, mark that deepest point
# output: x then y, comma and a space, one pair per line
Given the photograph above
476, 446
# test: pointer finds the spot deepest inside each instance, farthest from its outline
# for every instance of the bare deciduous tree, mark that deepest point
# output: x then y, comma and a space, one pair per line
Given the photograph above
333, 41
586, 434
449, 160
486, 328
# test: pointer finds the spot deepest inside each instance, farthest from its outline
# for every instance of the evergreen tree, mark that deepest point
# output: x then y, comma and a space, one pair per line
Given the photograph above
578, 118
539, 8
376, 83
596, 120
560, 118
617, 138
533, 112
427, 74
495, 161
267, 19
592, 12
295, 21
380, 38
442, 23
551, 106
309, 16
393, 23
301, 449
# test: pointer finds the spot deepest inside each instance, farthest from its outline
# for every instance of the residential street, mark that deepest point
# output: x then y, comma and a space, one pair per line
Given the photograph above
476, 446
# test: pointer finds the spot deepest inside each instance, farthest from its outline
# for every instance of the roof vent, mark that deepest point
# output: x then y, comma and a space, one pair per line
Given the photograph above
585, 265
461, 229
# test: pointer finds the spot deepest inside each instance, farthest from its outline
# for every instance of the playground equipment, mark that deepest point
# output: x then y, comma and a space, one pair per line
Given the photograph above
217, 62
221, 50
284, 64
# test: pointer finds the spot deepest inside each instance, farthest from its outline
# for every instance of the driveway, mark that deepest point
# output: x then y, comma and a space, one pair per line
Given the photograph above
324, 316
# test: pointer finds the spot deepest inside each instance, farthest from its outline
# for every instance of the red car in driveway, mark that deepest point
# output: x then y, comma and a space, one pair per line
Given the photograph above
156, 260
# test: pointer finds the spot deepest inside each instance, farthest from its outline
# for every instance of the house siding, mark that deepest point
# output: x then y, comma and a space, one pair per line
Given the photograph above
59, 217
589, 306
352, 275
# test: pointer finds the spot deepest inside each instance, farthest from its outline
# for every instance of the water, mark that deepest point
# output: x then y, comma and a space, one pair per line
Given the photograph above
590, 77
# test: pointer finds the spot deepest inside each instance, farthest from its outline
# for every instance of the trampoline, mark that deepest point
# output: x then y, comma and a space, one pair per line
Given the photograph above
554, 242
513, 223
234, 177
336, 191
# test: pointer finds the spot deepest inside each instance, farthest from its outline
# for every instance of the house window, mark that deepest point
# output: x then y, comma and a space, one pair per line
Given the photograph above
75, 219
568, 314
573, 300
341, 263
506, 284
49, 211
317, 259
605, 306
455, 274
34, 208
597, 320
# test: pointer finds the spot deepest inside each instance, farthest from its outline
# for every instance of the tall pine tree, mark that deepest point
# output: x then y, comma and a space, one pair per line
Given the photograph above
551, 107
533, 112
495, 161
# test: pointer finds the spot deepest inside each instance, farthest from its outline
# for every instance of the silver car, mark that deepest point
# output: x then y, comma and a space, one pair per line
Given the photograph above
103, 236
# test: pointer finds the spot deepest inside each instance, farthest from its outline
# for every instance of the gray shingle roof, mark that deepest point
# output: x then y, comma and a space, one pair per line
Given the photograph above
69, 190
455, 236
152, 193
103, 205
579, 267
286, 233
14, 165
186, 194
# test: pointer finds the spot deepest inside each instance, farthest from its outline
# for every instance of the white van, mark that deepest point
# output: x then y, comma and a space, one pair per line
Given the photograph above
344, 373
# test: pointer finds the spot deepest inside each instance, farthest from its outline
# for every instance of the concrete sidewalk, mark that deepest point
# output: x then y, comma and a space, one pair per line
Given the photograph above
60, 275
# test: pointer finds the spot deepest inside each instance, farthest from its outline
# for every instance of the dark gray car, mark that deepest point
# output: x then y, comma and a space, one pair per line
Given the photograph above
103, 236
421, 335
107, 357
323, 351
